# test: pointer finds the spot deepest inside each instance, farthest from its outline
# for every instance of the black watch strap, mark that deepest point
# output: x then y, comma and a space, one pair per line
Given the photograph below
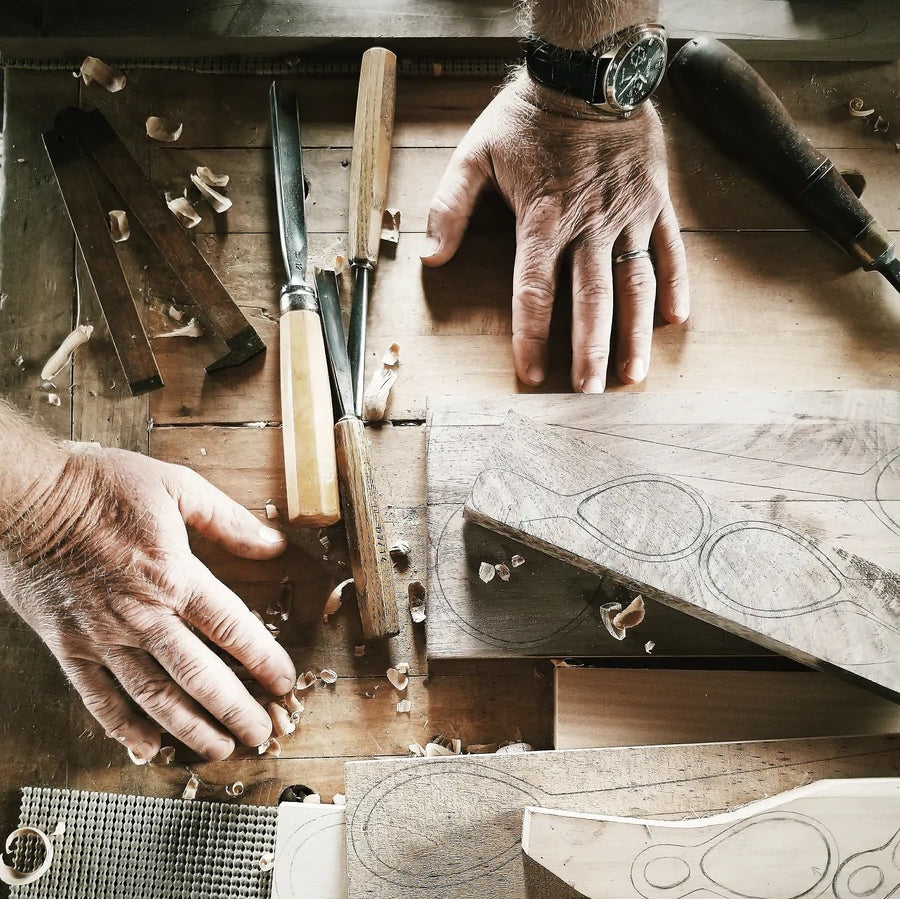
575, 72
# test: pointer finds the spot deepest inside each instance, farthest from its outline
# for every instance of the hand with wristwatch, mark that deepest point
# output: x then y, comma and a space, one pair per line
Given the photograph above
577, 151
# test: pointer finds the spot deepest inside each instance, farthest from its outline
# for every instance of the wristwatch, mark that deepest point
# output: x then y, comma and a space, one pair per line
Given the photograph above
616, 76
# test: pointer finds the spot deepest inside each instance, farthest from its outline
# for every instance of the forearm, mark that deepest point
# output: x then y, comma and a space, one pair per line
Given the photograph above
579, 24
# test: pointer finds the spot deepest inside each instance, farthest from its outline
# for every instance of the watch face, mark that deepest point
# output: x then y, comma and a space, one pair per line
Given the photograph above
638, 72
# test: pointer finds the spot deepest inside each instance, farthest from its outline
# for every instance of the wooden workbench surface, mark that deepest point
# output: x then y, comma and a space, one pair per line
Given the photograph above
775, 307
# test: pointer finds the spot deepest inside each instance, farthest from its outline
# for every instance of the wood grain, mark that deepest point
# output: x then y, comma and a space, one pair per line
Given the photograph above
462, 818
832, 838
811, 459
747, 573
598, 707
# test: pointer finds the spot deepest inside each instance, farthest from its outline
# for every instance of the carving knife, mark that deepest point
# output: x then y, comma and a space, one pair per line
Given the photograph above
307, 420
373, 573
369, 165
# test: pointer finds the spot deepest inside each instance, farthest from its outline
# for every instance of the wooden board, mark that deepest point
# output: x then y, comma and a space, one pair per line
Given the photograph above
746, 572
598, 707
834, 839
810, 459
310, 852
451, 828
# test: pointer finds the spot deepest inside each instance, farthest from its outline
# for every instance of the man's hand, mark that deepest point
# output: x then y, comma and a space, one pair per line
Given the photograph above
579, 184
100, 567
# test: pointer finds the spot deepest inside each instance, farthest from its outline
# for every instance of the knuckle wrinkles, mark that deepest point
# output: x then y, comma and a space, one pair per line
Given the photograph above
155, 693
191, 673
535, 299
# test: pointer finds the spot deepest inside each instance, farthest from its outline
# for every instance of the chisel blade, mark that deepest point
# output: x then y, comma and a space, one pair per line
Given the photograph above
338, 359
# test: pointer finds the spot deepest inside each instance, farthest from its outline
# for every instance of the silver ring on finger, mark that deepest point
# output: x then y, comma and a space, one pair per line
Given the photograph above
631, 254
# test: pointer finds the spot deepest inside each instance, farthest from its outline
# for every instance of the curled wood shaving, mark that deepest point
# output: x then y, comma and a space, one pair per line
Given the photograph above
207, 176
174, 312
219, 202
486, 572
63, 353
417, 749
631, 616
135, 759
235, 789
359, 651
305, 681
119, 229
54, 399
184, 211
96, 71
339, 799
267, 861
292, 703
282, 725
391, 358
857, 107
390, 226
166, 754
432, 750
328, 675
335, 599
11, 875
649, 646
270, 747
514, 748
378, 391
163, 129
516, 561
190, 788
416, 592
192, 329
399, 553
608, 612
881, 125
502, 571
271, 510
399, 679
404, 706
312, 799
456, 746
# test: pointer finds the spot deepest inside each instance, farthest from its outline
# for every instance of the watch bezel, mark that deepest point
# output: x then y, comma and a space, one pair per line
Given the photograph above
630, 39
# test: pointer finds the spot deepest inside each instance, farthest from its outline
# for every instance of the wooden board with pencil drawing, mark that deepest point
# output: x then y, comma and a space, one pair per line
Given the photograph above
746, 572
597, 707
821, 461
834, 839
451, 827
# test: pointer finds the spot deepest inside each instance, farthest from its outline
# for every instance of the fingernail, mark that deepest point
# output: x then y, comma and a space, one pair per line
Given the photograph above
270, 535
634, 370
429, 246
221, 749
679, 312
593, 384
142, 753
535, 373
284, 685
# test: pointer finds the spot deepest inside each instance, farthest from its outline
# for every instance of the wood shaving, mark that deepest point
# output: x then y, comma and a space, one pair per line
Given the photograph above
166, 754
328, 675
219, 202
433, 750
59, 830
482, 748
881, 125
608, 611
267, 861
273, 629
857, 107
378, 391
305, 681
63, 353
335, 600
417, 749
292, 703
13, 876
190, 788
207, 176
202, 450
54, 399
175, 313
282, 725
162, 129
516, 561
235, 789
502, 571
486, 572
390, 226
359, 651
119, 229
404, 707
271, 510
271, 747
632, 615
456, 746
514, 748
391, 358
399, 553
135, 759
649, 646
192, 329
312, 799
416, 592
339, 799
399, 679
184, 211
96, 71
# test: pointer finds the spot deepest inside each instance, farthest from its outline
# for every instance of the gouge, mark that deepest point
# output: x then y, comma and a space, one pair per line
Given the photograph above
373, 573
730, 101
369, 164
307, 421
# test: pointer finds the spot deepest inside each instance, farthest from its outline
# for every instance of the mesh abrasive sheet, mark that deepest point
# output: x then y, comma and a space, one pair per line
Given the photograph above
134, 847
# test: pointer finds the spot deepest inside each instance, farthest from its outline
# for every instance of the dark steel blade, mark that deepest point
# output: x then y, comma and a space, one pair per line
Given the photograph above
356, 340
89, 223
216, 306
333, 326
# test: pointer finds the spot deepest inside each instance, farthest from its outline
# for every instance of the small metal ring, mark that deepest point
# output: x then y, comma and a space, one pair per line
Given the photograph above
631, 254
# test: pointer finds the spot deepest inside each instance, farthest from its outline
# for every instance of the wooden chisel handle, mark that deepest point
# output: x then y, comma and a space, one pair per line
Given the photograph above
371, 157
373, 573
310, 467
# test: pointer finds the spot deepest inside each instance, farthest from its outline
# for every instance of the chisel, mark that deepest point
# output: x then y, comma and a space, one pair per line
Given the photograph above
307, 421
369, 558
369, 164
